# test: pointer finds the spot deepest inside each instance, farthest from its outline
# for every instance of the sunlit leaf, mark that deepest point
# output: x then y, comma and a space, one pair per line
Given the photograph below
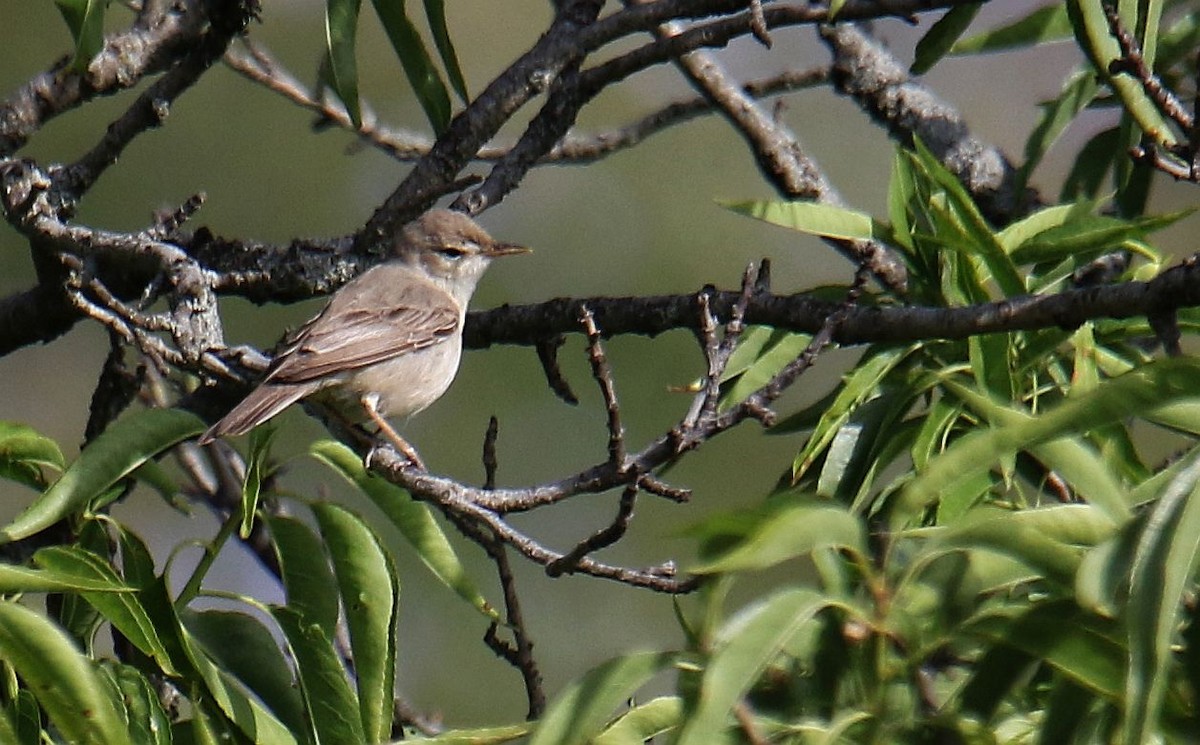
67, 684
370, 597
412, 518
825, 220
1048, 23
120, 449
941, 36
414, 58
584, 707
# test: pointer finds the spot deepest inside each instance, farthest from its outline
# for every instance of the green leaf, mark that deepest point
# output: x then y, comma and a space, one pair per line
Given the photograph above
65, 682
785, 532
1095, 38
1091, 163
412, 518
747, 644
15, 579
1163, 566
979, 239
123, 610
85, 18
1090, 235
119, 450
480, 736
1077, 92
145, 720
1049, 539
243, 710
775, 352
941, 37
341, 32
1044, 24
860, 385
24, 452
370, 597
332, 705
643, 722
307, 577
414, 58
583, 708
435, 12
256, 470
825, 220
1066, 639
1152, 385
243, 647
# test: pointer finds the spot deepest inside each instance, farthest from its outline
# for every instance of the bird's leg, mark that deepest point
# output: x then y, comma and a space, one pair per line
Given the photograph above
370, 403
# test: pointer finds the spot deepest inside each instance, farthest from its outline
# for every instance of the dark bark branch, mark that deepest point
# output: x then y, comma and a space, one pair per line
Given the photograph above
866, 72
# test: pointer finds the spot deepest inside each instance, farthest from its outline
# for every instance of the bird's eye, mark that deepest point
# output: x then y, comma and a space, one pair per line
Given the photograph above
452, 252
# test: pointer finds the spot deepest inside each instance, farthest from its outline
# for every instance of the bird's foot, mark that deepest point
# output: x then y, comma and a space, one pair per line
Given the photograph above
414, 460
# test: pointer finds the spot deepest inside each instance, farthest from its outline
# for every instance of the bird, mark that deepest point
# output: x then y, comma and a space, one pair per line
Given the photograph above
388, 343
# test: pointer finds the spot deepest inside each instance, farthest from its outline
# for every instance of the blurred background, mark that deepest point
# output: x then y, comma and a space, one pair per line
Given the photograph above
642, 221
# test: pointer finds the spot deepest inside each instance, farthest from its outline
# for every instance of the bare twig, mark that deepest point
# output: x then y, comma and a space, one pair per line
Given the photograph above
603, 375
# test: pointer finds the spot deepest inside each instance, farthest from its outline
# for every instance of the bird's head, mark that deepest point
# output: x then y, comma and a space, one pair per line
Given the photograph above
451, 248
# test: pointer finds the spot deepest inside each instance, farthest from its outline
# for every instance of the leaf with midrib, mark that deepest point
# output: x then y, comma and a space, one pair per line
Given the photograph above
116, 453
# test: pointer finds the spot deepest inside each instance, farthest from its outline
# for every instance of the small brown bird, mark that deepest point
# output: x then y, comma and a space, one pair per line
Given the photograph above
388, 343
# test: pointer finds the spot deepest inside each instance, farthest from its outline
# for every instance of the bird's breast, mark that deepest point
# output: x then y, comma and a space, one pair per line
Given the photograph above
410, 382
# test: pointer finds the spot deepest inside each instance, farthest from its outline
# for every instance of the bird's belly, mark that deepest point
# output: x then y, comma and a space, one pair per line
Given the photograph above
408, 383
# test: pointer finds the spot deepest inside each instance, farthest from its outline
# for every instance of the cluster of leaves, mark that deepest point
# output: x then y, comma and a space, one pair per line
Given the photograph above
191, 675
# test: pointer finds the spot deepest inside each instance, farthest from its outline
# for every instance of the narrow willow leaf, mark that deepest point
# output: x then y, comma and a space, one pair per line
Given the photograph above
1049, 539
370, 596
123, 610
120, 449
65, 682
480, 736
655, 717
1044, 24
256, 471
412, 518
1091, 163
242, 646
981, 240
85, 18
748, 643
584, 707
787, 532
1163, 565
24, 452
1058, 633
1079, 90
1040, 221
1152, 385
780, 350
307, 576
418, 66
1095, 38
1092, 234
825, 220
341, 32
941, 36
860, 385
435, 12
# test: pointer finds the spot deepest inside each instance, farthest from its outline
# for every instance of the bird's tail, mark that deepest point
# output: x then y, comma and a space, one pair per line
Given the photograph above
263, 403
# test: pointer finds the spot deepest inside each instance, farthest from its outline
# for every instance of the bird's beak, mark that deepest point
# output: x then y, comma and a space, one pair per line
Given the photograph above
505, 249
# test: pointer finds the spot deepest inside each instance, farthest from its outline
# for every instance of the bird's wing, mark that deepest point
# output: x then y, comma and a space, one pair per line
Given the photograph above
394, 316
